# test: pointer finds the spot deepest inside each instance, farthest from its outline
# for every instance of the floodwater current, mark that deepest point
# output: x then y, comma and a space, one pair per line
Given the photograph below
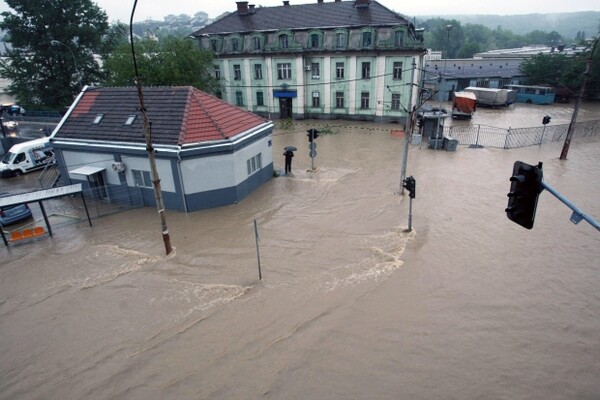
351, 306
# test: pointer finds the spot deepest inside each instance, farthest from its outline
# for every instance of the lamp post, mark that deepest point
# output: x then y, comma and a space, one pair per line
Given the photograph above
570, 131
440, 91
56, 42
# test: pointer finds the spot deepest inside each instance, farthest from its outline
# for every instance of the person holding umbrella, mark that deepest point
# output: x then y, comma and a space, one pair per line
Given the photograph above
288, 153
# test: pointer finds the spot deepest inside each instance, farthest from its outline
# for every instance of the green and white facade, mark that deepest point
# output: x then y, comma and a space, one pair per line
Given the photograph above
340, 59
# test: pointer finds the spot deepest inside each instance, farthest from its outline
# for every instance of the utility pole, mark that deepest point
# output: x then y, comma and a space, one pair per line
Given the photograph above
409, 126
570, 131
149, 148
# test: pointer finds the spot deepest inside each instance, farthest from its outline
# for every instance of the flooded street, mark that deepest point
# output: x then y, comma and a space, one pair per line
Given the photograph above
351, 306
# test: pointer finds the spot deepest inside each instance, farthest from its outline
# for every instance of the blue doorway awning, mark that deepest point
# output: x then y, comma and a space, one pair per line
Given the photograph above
285, 93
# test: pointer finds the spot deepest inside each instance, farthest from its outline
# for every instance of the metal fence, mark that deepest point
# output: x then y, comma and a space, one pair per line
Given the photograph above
112, 199
487, 136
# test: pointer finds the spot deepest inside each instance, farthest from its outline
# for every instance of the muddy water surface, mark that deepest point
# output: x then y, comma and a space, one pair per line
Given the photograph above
467, 305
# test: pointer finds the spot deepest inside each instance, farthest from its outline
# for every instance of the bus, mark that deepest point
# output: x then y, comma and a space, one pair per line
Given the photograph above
533, 94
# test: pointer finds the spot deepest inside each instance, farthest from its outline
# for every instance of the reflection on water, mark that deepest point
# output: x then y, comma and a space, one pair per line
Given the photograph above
467, 305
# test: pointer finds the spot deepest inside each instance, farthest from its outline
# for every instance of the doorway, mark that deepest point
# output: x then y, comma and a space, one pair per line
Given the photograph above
285, 107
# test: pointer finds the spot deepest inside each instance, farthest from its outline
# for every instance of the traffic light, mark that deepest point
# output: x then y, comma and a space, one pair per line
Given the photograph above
546, 120
312, 134
410, 184
525, 188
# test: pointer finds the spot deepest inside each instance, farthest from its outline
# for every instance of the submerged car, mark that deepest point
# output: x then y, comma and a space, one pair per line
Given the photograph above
13, 214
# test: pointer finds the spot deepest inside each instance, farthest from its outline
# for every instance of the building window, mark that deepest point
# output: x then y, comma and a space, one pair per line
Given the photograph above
395, 101
398, 38
98, 119
214, 45
217, 72
366, 70
254, 164
339, 70
130, 119
219, 94
235, 44
239, 98
339, 99
364, 100
260, 100
257, 43
257, 71
397, 70
340, 40
283, 41
237, 72
367, 39
284, 71
314, 40
316, 99
315, 68
483, 82
141, 178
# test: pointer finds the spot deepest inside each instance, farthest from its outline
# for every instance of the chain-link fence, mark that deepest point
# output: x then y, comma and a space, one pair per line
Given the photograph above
487, 136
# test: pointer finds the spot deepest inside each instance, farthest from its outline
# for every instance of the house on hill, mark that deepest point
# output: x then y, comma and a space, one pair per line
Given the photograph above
335, 59
208, 152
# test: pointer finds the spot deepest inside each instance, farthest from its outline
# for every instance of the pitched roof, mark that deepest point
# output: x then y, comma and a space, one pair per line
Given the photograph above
179, 115
330, 14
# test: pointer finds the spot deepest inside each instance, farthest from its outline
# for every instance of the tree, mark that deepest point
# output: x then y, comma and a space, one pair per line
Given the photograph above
171, 61
53, 46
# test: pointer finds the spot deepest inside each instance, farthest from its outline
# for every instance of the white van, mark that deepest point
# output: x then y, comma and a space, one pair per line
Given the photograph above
26, 157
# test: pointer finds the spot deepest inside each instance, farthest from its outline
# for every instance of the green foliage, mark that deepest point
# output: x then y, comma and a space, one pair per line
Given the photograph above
464, 41
173, 61
562, 71
53, 46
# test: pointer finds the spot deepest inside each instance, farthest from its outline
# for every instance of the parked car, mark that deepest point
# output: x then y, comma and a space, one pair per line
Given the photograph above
12, 214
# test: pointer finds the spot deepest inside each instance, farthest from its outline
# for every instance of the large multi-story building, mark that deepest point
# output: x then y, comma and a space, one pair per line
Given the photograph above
338, 59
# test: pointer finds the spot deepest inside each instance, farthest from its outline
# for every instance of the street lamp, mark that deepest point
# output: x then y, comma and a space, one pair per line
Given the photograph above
56, 42
441, 91
565, 149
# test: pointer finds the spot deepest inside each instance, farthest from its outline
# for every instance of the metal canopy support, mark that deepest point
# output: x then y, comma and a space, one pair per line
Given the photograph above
39, 196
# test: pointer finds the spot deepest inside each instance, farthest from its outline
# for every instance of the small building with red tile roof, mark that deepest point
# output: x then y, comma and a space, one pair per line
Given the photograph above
208, 153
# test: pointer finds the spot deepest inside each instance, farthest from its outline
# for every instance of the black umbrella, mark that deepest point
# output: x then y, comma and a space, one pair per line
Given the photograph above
290, 148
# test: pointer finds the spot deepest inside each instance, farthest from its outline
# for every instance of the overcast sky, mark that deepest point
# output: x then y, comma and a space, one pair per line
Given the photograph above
158, 9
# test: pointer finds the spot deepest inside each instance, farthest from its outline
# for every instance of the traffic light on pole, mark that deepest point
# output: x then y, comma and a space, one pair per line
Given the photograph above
525, 188
410, 184
312, 134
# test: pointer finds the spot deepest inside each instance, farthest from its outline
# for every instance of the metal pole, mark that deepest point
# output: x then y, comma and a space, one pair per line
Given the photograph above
410, 214
409, 129
149, 148
257, 250
577, 215
542, 138
570, 131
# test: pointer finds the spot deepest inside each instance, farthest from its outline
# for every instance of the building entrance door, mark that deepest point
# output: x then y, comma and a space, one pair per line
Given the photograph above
285, 107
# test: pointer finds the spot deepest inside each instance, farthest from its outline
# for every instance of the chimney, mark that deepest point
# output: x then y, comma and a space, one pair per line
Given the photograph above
286, 2
242, 7
361, 3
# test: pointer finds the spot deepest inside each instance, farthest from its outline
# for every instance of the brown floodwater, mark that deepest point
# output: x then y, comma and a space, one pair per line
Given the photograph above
351, 306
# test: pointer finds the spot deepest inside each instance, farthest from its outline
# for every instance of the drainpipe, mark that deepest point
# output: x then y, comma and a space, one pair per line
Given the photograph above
185, 207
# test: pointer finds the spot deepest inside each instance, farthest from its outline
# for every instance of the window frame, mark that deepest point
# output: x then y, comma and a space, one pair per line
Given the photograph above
284, 71
364, 100
237, 72
340, 66
258, 75
366, 70
339, 100
397, 70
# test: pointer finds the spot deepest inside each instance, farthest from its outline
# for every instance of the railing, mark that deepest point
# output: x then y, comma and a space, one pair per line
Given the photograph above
487, 136
50, 175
